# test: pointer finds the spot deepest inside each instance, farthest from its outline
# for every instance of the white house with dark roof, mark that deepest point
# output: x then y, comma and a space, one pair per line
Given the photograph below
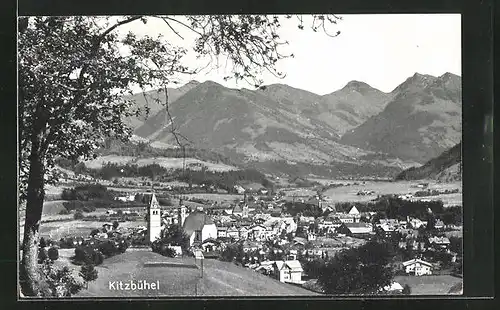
288, 271
198, 226
417, 267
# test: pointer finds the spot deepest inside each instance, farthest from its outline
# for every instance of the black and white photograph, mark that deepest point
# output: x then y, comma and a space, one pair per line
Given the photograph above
310, 155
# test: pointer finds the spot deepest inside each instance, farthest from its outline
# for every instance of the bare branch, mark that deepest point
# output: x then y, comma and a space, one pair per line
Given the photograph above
172, 28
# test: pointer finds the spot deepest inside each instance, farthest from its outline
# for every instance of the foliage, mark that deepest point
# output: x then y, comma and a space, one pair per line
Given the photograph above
42, 242
88, 273
175, 235
94, 232
163, 248
53, 253
313, 268
362, 270
305, 209
59, 282
456, 244
87, 192
232, 253
406, 289
115, 224
78, 215
87, 255
42, 255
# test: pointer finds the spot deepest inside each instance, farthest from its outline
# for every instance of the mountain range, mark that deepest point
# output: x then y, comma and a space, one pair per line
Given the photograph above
357, 129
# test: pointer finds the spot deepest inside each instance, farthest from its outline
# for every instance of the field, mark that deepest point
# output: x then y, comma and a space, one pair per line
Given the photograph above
58, 230
428, 285
219, 278
166, 162
216, 197
349, 193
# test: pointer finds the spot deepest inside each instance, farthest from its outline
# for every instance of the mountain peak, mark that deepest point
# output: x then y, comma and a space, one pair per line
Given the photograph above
416, 81
449, 76
357, 85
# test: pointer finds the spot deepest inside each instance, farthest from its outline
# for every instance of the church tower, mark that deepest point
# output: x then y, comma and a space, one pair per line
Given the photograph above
154, 219
182, 215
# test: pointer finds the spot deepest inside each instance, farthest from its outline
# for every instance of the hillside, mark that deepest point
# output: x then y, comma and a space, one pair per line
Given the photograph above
422, 120
219, 278
446, 167
154, 101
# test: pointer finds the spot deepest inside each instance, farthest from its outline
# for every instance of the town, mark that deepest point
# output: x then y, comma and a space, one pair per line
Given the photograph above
277, 235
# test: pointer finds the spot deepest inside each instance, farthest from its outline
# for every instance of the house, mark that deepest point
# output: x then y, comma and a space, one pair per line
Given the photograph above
354, 211
249, 246
198, 226
243, 232
239, 189
177, 249
257, 232
417, 223
390, 222
417, 267
441, 242
386, 230
233, 232
237, 210
210, 245
221, 232
288, 271
346, 218
356, 229
393, 288
290, 224
299, 241
439, 224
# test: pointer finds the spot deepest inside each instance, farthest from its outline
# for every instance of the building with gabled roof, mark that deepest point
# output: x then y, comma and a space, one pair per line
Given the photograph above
198, 226
288, 271
355, 229
417, 267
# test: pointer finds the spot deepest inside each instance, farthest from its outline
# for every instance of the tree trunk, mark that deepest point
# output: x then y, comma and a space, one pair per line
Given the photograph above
34, 206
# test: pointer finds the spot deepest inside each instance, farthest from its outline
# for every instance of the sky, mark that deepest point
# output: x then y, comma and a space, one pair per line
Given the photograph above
382, 50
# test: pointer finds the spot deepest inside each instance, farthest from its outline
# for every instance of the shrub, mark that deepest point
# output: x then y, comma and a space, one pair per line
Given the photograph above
88, 273
107, 248
53, 253
83, 255
42, 255
78, 215
97, 257
407, 289
42, 243
66, 243
123, 246
57, 282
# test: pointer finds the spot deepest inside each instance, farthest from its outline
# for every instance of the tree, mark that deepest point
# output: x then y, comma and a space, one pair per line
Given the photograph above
88, 273
78, 215
72, 80
361, 270
175, 235
406, 289
53, 253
